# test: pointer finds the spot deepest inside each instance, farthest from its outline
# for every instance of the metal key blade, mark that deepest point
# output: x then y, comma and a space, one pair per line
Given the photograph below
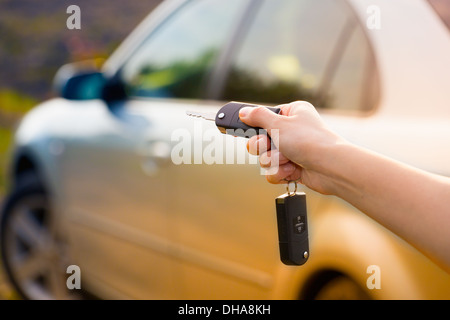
211, 116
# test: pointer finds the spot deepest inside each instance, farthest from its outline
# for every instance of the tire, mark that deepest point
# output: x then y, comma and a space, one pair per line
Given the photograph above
33, 253
341, 287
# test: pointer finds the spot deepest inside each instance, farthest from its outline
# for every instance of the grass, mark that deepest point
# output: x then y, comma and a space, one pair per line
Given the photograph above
5, 146
13, 106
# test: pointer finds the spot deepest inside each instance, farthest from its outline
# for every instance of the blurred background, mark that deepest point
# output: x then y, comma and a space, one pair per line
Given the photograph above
371, 86
35, 42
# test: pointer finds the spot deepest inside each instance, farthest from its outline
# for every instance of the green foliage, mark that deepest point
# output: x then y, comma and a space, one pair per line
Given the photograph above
15, 103
13, 106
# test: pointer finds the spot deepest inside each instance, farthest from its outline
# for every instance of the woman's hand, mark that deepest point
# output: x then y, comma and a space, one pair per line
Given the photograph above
300, 137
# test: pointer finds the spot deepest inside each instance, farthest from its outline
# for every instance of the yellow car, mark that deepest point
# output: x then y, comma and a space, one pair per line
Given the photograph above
118, 192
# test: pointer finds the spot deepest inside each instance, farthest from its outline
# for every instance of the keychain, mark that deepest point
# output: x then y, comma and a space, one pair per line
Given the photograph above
292, 225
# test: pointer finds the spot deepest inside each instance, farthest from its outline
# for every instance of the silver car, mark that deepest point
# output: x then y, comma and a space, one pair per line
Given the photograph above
112, 181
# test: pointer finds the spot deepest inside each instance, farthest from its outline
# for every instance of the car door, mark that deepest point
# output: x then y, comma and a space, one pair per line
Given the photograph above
287, 51
114, 204
125, 188
211, 175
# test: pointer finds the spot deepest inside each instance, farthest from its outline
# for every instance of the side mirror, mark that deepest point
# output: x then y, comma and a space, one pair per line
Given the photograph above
80, 81
84, 81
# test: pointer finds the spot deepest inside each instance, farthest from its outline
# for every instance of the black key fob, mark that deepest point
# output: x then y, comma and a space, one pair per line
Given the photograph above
292, 228
228, 122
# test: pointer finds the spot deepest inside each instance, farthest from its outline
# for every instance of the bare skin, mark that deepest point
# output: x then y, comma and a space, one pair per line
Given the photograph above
410, 202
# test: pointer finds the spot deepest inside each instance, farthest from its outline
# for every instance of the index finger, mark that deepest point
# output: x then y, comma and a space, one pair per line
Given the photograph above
258, 144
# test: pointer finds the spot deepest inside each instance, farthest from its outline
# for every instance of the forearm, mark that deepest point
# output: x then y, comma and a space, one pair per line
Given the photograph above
408, 201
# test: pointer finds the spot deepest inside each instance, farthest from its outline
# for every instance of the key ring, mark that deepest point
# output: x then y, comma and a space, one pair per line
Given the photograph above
287, 187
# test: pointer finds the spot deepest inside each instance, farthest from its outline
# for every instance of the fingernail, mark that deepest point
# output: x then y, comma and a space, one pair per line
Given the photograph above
244, 111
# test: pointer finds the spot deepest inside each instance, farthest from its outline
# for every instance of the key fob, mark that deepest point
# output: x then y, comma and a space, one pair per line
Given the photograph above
228, 122
292, 228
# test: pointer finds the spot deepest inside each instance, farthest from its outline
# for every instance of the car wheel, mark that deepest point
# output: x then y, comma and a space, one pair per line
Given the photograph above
340, 287
32, 252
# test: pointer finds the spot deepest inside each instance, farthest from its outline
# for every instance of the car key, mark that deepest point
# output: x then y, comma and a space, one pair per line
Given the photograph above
292, 226
228, 122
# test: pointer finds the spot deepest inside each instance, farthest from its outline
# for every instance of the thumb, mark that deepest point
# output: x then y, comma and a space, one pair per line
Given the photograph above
258, 117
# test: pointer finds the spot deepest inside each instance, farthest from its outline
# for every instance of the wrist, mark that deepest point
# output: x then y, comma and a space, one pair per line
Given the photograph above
331, 161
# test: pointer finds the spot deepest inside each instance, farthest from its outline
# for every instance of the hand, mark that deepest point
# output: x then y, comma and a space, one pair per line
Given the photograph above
300, 137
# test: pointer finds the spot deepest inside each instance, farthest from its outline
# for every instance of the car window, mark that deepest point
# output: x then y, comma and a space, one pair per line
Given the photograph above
176, 59
349, 86
288, 55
